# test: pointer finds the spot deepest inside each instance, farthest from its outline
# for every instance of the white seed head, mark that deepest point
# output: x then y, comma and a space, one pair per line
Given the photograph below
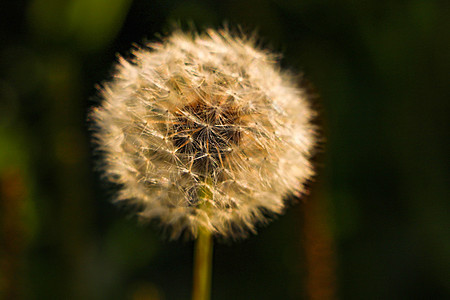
204, 131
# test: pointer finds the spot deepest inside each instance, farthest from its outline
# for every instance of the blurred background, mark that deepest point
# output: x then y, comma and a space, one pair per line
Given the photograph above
375, 226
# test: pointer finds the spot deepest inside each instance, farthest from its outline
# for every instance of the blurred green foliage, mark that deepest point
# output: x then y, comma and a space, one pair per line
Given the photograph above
381, 68
87, 24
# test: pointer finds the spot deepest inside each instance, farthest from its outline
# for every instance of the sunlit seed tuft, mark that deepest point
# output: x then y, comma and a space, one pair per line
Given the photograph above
204, 130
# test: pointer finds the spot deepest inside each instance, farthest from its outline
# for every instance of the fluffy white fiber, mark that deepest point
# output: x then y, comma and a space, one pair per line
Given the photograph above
204, 130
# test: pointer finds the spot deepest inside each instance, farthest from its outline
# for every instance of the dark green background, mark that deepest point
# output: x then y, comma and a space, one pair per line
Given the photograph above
381, 68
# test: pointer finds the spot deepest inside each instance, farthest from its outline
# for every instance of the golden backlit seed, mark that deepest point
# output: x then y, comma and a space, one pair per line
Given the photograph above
204, 130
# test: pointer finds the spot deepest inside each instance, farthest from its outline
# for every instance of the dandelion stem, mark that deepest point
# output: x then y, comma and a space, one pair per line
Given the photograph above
202, 265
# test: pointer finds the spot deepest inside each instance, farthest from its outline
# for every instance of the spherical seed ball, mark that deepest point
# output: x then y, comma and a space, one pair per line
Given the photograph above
204, 131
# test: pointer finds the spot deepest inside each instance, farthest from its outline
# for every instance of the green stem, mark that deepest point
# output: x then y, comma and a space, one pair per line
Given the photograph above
202, 265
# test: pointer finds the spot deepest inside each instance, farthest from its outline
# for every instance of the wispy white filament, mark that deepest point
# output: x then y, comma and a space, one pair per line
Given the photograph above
204, 130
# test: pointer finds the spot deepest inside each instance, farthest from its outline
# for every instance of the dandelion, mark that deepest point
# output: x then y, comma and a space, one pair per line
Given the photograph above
203, 131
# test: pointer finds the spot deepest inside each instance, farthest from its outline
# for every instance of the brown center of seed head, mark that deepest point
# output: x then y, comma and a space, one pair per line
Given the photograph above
206, 132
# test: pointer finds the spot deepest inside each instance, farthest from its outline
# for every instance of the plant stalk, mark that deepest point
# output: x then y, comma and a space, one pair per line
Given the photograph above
202, 265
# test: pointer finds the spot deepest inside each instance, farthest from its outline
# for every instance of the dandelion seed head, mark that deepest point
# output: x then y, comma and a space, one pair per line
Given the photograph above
204, 131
